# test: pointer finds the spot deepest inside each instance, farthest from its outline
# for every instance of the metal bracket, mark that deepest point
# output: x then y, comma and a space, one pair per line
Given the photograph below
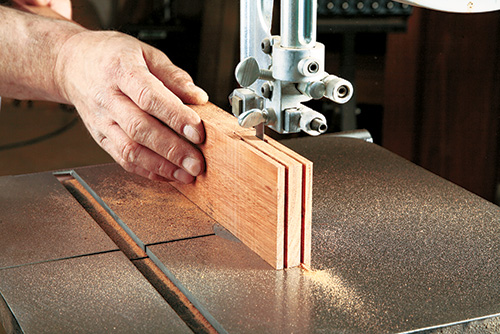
281, 72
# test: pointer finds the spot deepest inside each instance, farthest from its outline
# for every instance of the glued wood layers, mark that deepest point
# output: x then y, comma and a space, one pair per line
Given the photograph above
259, 190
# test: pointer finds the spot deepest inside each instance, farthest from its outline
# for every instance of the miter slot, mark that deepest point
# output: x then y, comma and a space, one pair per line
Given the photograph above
155, 211
8, 322
171, 290
114, 227
179, 297
183, 239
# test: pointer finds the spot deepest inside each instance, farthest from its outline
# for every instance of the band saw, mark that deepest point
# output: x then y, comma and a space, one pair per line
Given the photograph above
395, 249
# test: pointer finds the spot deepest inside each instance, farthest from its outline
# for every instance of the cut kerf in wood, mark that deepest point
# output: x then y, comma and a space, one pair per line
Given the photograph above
259, 190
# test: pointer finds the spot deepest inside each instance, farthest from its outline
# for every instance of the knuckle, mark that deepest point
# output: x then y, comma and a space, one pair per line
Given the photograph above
163, 170
179, 75
136, 128
153, 177
156, 177
130, 152
103, 99
174, 154
175, 118
146, 99
102, 140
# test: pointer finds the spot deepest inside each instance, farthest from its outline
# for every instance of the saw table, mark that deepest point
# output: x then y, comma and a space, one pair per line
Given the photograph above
394, 249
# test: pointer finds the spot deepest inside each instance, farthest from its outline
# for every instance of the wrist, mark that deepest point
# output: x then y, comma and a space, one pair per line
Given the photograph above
63, 71
30, 45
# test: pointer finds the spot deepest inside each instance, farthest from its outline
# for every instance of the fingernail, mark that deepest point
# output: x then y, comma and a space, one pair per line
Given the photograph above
192, 134
181, 176
192, 166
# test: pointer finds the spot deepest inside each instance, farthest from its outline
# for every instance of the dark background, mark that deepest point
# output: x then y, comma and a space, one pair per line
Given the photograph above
427, 84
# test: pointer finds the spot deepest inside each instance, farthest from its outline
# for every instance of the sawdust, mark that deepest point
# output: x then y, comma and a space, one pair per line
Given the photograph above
333, 288
157, 201
155, 211
109, 225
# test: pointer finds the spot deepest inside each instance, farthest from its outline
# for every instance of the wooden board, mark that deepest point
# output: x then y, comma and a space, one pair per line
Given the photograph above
242, 188
254, 188
293, 197
307, 191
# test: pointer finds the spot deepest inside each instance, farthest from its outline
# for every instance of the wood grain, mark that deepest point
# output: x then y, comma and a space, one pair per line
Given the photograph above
242, 188
401, 100
442, 97
293, 197
307, 191
253, 188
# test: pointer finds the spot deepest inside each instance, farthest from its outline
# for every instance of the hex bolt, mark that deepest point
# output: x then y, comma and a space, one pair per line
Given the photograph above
313, 67
265, 45
309, 66
267, 90
315, 90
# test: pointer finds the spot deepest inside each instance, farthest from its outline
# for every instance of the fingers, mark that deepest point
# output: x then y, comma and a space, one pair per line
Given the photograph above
148, 132
136, 158
150, 95
132, 101
174, 78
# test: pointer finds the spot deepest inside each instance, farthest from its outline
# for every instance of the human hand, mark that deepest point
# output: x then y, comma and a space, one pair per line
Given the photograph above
131, 98
62, 7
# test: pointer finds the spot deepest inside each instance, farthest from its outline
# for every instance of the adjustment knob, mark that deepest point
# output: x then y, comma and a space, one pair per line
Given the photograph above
252, 118
247, 72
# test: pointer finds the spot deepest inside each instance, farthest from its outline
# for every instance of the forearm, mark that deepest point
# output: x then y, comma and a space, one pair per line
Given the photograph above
128, 94
29, 49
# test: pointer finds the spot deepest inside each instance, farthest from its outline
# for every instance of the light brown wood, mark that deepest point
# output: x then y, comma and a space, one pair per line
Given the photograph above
253, 188
307, 189
293, 197
242, 188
